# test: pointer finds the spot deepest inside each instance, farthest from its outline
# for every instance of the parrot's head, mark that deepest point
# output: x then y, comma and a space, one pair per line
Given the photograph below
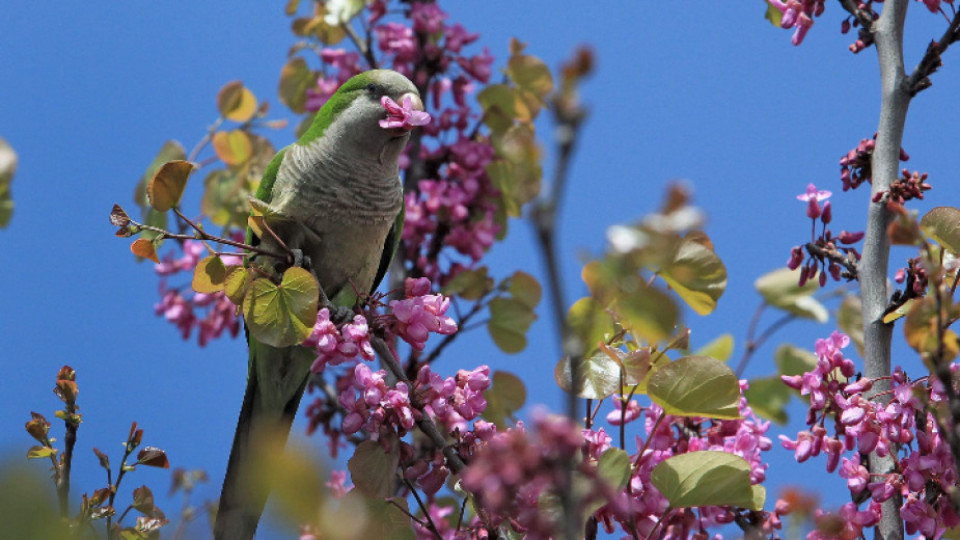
372, 125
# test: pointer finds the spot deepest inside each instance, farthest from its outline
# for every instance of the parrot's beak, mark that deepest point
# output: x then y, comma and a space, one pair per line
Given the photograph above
415, 102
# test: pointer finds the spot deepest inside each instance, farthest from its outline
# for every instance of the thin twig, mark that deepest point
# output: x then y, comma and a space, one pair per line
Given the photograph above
544, 217
864, 17
426, 511
69, 441
362, 46
205, 140
919, 80
753, 344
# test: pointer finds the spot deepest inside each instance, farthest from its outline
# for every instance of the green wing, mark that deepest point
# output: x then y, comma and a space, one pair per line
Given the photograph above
390, 247
265, 189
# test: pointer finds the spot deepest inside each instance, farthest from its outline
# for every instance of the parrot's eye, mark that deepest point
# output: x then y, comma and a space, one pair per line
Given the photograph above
372, 88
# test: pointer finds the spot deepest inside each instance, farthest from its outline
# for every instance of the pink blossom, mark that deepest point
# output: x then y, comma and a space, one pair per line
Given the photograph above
405, 117
478, 67
397, 39
333, 346
618, 416
337, 484
415, 317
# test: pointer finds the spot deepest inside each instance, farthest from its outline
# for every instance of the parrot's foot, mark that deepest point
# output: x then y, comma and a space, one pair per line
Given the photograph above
300, 260
340, 315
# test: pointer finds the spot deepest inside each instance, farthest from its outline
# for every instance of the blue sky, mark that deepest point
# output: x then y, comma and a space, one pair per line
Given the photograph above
708, 92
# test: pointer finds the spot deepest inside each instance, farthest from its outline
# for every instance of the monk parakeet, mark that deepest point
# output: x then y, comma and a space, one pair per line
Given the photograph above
339, 200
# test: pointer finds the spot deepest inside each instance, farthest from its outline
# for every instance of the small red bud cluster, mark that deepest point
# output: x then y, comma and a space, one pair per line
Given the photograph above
909, 186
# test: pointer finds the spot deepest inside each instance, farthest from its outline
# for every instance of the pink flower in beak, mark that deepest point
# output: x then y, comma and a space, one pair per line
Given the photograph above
404, 117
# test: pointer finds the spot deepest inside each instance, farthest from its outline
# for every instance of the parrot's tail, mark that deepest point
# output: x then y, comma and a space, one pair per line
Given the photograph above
274, 390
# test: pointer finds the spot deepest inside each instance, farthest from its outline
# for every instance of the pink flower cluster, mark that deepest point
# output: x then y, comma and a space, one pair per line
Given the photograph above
510, 470
210, 314
453, 401
828, 256
343, 64
457, 209
924, 470
641, 506
376, 408
370, 404
798, 14
335, 346
453, 202
419, 314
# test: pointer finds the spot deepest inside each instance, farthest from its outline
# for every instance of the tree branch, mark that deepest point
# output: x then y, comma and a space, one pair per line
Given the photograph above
895, 101
544, 218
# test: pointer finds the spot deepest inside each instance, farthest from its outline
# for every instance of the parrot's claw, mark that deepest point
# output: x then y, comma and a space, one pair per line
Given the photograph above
300, 260
340, 315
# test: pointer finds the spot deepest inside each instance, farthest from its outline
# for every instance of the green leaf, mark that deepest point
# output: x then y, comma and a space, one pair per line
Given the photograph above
236, 102
768, 397
516, 172
613, 467
170, 151
38, 452
469, 284
943, 225
531, 74
509, 321
209, 275
780, 289
720, 348
792, 360
920, 329
850, 320
697, 274
590, 323
773, 15
707, 478
502, 105
373, 470
236, 283
166, 187
525, 288
283, 315
505, 397
295, 78
598, 376
696, 386
221, 200
645, 311
899, 312
233, 147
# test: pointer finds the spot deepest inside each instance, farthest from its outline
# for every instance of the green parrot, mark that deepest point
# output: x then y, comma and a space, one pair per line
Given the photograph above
339, 198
